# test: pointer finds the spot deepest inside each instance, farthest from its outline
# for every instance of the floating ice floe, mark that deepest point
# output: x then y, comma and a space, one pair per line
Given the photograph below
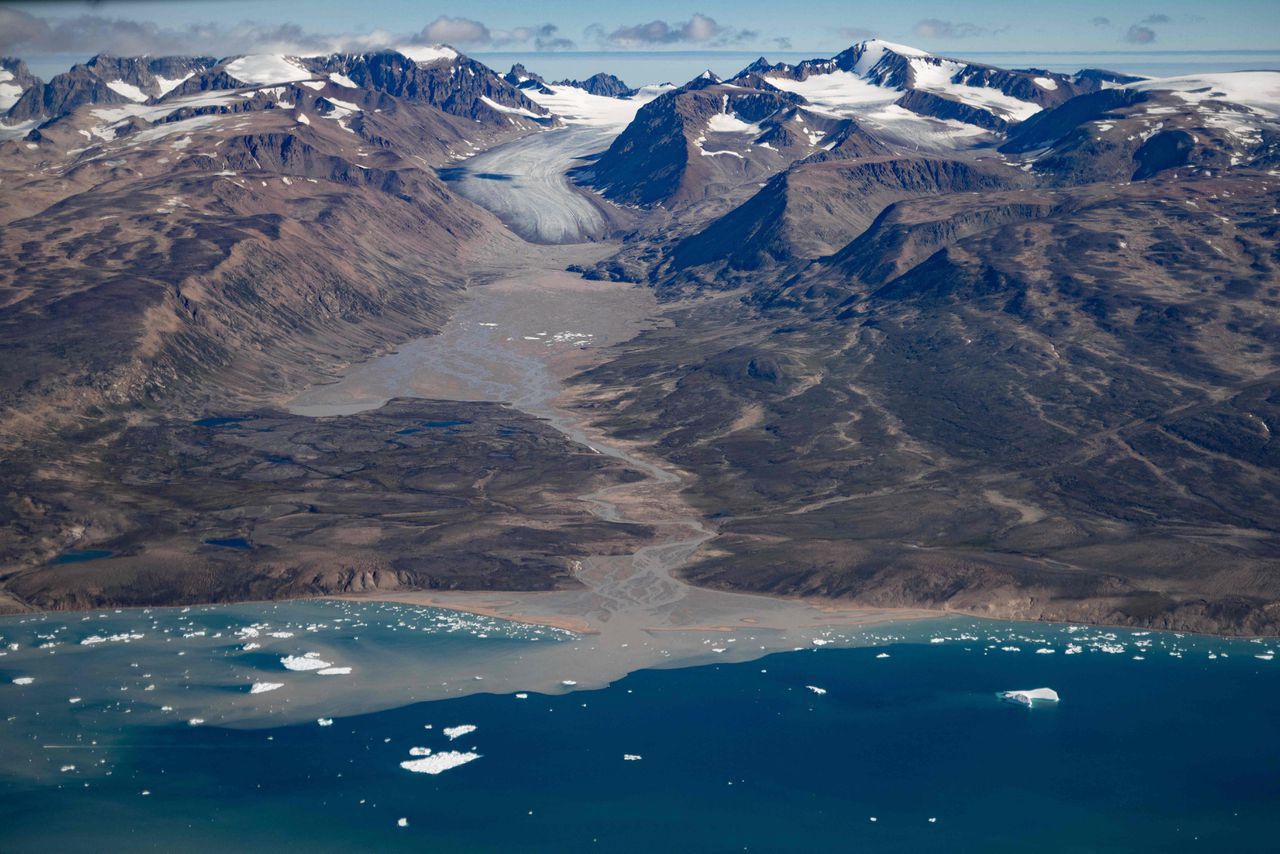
1030, 696
458, 731
419, 751
631, 757
307, 661
23, 680
815, 689
334, 671
1266, 656
883, 655
195, 722
65, 768
264, 687
438, 762
403, 822
325, 721
522, 696
568, 682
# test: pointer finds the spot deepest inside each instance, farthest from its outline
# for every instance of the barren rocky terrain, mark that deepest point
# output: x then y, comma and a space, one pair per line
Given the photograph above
935, 334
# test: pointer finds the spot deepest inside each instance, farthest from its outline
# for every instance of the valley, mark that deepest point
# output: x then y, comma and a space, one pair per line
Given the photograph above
884, 330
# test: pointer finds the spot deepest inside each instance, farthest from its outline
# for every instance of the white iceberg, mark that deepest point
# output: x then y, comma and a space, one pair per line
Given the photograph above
1030, 696
308, 661
264, 687
24, 680
438, 762
458, 731
815, 689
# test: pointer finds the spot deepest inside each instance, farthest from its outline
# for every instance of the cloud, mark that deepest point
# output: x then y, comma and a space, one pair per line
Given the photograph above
1157, 19
1101, 21
1140, 35
24, 33
782, 43
935, 28
699, 29
454, 31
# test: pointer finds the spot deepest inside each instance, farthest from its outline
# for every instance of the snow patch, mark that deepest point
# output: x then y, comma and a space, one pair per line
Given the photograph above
265, 68
133, 93
426, 54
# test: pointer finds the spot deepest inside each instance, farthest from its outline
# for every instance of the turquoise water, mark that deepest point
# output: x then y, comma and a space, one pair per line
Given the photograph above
1160, 742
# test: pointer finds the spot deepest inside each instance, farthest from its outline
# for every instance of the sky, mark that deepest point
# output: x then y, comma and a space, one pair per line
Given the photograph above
54, 34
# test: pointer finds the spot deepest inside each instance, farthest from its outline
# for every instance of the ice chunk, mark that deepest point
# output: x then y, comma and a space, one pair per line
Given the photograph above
1030, 696
815, 689
325, 721
264, 687
419, 751
24, 680
334, 671
403, 822
309, 661
458, 731
631, 757
439, 762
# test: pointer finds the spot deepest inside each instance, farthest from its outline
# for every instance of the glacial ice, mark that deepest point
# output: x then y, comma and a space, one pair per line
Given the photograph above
1030, 696
438, 762
264, 687
458, 731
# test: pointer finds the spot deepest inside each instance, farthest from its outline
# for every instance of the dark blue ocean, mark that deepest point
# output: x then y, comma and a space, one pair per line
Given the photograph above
1159, 743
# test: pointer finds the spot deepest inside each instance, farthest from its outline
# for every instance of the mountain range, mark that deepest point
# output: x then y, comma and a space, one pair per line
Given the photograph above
942, 334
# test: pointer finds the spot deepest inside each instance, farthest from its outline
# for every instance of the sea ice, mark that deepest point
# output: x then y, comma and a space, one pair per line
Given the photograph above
325, 721
419, 751
23, 680
631, 757
334, 671
815, 689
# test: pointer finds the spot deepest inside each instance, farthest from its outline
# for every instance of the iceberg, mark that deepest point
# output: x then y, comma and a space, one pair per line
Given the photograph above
439, 762
264, 687
458, 731
308, 661
1030, 696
